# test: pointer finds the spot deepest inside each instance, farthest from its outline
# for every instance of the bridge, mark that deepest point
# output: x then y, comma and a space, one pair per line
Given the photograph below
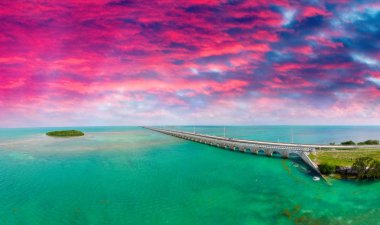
284, 150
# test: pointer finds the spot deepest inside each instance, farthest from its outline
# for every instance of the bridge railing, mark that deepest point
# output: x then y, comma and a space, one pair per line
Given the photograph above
235, 142
277, 144
229, 141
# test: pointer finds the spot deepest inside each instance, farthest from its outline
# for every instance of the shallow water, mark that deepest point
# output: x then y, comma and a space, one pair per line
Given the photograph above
129, 175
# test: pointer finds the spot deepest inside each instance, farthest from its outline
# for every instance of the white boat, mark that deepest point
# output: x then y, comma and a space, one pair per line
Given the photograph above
316, 178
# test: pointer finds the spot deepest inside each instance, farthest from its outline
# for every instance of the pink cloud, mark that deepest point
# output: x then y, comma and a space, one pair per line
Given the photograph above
314, 11
306, 50
107, 59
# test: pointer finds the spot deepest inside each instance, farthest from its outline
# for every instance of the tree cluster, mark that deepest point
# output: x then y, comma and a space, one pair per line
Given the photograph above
366, 168
65, 133
367, 142
326, 168
348, 143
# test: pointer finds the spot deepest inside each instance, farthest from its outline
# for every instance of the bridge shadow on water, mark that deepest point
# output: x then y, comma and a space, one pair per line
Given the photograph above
302, 166
295, 159
298, 153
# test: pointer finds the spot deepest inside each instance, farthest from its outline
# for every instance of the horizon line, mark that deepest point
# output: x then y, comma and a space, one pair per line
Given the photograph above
200, 125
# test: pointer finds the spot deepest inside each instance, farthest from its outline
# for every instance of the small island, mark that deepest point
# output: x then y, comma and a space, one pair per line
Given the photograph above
65, 133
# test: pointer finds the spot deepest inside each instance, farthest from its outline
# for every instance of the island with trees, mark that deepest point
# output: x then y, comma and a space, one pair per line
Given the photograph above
65, 133
362, 168
351, 162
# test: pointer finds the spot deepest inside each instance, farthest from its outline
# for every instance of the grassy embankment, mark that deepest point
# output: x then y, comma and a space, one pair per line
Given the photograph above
344, 157
65, 133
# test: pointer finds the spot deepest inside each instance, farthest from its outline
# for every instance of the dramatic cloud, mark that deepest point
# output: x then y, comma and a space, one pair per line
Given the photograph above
128, 62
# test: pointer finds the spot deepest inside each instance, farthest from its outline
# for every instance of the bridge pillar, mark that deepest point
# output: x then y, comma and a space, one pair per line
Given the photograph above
285, 154
268, 152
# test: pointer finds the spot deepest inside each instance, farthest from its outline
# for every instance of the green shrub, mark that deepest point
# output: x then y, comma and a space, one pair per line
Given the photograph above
369, 142
326, 168
348, 143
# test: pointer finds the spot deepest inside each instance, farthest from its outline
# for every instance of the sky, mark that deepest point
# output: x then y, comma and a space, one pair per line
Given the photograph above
168, 62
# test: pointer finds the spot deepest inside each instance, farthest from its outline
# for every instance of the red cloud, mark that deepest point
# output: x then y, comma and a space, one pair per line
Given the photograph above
313, 11
306, 50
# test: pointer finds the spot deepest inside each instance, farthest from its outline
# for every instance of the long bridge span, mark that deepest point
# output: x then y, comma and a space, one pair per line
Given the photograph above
286, 150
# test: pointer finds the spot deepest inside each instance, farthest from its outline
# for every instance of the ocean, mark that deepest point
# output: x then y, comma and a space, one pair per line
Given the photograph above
131, 175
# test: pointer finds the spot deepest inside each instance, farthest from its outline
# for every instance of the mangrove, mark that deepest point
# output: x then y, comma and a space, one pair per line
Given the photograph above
65, 133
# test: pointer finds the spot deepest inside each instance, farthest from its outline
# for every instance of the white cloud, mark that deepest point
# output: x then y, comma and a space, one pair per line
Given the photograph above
288, 16
215, 70
365, 59
194, 70
374, 80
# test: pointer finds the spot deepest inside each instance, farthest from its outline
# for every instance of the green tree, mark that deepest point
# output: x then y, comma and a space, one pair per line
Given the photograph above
366, 168
348, 143
326, 168
374, 172
369, 142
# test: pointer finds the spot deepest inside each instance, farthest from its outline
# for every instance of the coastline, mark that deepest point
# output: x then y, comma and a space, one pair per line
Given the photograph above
340, 164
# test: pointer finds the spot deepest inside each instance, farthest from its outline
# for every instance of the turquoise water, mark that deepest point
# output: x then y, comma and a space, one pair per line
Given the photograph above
129, 175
